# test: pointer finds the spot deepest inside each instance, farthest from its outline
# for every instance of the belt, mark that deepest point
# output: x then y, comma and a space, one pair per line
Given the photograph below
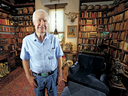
44, 74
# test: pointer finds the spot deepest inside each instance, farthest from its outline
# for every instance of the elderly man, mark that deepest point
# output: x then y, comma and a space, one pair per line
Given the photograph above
41, 53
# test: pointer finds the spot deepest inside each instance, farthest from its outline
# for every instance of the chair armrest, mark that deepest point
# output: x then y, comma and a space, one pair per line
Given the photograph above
74, 68
104, 78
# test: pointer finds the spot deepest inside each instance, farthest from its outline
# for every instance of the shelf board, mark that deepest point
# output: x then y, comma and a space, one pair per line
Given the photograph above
17, 5
92, 53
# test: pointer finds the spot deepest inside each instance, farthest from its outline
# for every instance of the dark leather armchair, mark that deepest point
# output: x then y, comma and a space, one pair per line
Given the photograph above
87, 77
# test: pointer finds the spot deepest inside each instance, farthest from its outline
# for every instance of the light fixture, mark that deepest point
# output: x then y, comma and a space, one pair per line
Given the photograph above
55, 31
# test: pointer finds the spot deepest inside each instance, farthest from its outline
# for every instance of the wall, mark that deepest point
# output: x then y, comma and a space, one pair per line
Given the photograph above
72, 6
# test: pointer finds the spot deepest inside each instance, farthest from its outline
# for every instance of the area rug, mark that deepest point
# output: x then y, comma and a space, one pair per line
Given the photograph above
21, 87
11, 76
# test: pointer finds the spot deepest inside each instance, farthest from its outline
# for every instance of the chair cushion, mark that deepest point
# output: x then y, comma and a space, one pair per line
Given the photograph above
91, 62
87, 78
81, 77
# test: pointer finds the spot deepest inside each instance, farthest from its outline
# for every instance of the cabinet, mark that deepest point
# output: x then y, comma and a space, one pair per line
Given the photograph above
15, 24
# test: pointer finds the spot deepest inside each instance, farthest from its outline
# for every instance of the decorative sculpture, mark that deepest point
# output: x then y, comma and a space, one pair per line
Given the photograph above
117, 71
72, 16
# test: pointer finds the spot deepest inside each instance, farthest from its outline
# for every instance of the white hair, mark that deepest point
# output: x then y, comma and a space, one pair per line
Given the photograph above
38, 11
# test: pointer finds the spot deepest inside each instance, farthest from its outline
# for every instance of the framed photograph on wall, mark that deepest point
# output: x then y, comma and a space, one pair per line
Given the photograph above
72, 31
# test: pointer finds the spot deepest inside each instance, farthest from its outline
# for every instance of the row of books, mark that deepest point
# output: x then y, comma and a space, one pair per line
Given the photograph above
7, 29
90, 41
94, 34
116, 44
125, 57
93, 21
115, 18
6, 22
116, 53
16, 35
27, 29
94, 28
10, 41
117, 35
87, 14
118, 26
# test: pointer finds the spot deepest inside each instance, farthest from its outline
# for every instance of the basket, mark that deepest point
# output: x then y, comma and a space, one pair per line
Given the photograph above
110, 6
30, 9
90, 7
83, 7
25, 10
4, 15
20, 11
104, 7
97, 7
10, 16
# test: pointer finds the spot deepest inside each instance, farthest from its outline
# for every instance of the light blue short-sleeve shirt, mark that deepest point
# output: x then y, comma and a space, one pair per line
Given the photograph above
43, 55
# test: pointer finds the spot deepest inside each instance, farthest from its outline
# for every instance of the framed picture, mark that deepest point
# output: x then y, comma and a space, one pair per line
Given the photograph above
72, 31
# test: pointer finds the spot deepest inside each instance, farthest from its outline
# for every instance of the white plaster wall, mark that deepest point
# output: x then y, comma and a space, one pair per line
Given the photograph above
73, 6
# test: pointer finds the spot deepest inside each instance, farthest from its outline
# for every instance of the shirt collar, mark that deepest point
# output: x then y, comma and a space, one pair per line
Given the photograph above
35, 38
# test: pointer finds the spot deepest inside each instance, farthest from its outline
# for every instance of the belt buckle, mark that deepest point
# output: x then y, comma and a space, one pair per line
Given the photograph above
44, 74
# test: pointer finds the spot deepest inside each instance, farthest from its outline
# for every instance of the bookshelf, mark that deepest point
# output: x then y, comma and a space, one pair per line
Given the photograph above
105, 32
15, 24
107, 28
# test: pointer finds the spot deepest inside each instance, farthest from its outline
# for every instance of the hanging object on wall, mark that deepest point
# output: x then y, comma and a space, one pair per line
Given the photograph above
55, 31
72, 16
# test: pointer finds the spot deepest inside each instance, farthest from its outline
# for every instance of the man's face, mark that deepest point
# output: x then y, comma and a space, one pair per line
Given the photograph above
41, 22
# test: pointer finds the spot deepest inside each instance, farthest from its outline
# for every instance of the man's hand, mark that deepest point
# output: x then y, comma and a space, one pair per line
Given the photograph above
59, 80
31, 80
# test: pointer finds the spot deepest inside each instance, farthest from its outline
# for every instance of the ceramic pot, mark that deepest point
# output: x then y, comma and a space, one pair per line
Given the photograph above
4, 15
104, 7
30, 9
20, 11
110, 6
10, 16
83, 7
97, 7
25, 10
90, 7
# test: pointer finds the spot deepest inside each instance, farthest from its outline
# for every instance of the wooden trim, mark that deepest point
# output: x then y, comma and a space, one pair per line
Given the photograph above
58, 32
85, 1
17, 5
52, 6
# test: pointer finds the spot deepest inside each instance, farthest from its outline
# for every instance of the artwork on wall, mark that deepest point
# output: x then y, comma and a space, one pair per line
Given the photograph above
72, 31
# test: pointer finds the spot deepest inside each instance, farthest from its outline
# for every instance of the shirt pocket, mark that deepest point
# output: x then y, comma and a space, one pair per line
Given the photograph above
51, 56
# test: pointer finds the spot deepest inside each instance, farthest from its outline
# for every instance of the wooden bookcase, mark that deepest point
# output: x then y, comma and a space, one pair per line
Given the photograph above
98, 28
14, 28
104, 32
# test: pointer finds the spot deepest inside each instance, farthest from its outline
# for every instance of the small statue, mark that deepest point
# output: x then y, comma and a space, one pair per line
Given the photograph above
117, 71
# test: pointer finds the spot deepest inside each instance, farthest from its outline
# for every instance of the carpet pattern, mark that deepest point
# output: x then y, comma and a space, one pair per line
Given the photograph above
12, 75
19, 86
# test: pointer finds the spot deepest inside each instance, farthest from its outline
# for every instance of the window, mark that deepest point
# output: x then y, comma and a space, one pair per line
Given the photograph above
59, 20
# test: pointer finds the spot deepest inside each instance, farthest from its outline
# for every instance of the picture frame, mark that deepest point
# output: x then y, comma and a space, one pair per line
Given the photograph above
71, 31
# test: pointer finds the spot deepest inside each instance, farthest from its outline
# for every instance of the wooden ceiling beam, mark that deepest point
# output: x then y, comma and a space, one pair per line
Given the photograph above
52, 6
